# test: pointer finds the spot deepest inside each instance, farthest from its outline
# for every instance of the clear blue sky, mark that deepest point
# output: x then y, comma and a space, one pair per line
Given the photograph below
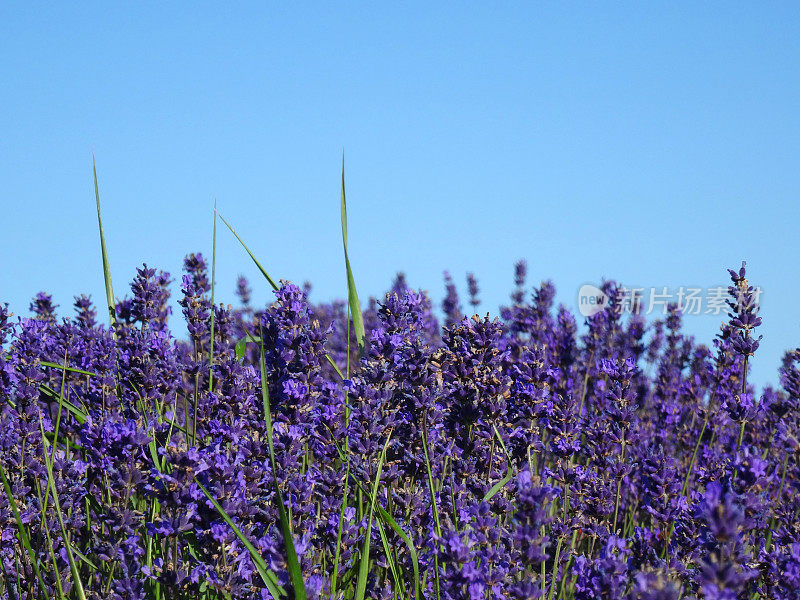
653, 143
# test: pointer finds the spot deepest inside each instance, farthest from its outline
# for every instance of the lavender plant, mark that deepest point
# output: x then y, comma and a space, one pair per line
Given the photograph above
312, 450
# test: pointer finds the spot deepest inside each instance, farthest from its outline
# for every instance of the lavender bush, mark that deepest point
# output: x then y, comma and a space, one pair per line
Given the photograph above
269, 455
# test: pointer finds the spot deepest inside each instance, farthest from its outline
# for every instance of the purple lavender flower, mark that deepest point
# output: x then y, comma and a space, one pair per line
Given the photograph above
472, 287
523, 458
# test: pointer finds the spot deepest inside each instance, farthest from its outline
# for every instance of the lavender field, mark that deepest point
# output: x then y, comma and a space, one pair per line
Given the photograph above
405, 450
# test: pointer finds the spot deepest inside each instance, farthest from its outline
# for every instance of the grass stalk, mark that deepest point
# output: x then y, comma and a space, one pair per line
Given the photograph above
213, 286
363, 568
352, 294
106, 268
291, 555
22, 534
51, 485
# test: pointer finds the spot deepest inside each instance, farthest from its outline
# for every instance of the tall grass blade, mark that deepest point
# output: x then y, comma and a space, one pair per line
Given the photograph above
500, 484
434, 508
293, 563
51, 485
22, 535
44, 363
363, 568
252, 256
337, 553
79, 414
267, 576
389, 520
393, 568
213, 284
431, 487
241, 344
58, 425
345, 460
335, 366
352, 294
60, 408
106, 268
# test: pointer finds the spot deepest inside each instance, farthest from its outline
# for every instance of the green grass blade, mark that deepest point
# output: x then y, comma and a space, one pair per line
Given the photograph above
58, 424
345, 460
293, 563
51, 551
240, 348
434, 508
389, 558
44, 363
51, 485
60, 408
429, 471
497, 486
213, 284
241, 345
352, 294
79, 414
252, 256
106, 268
85, 559
21, 533
389, 520
335, 367
335, 576
267, 576
500, 484
363, 568
154, 454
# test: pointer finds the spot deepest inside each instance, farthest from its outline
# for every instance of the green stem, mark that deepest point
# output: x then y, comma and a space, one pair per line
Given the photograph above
213, 282
768, 544
619, 487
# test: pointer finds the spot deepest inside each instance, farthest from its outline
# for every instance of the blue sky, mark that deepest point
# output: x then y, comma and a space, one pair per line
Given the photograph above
653, 143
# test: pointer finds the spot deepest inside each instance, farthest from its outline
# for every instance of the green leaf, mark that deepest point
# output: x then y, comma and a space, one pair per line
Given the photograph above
352, 294
387, 551
21, 533
106, 268
335, 367
431, 487
70, 369
252, 256
79, 415
500, 484
267, 576
240, 348
293, 563
85, 559
58, 422
363, 568
51, 487
154, 454
241, 345
389, 520
213, 285
432, 490
337, 553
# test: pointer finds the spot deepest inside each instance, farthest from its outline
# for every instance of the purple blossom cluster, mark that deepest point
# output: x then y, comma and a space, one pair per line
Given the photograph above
521, 457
